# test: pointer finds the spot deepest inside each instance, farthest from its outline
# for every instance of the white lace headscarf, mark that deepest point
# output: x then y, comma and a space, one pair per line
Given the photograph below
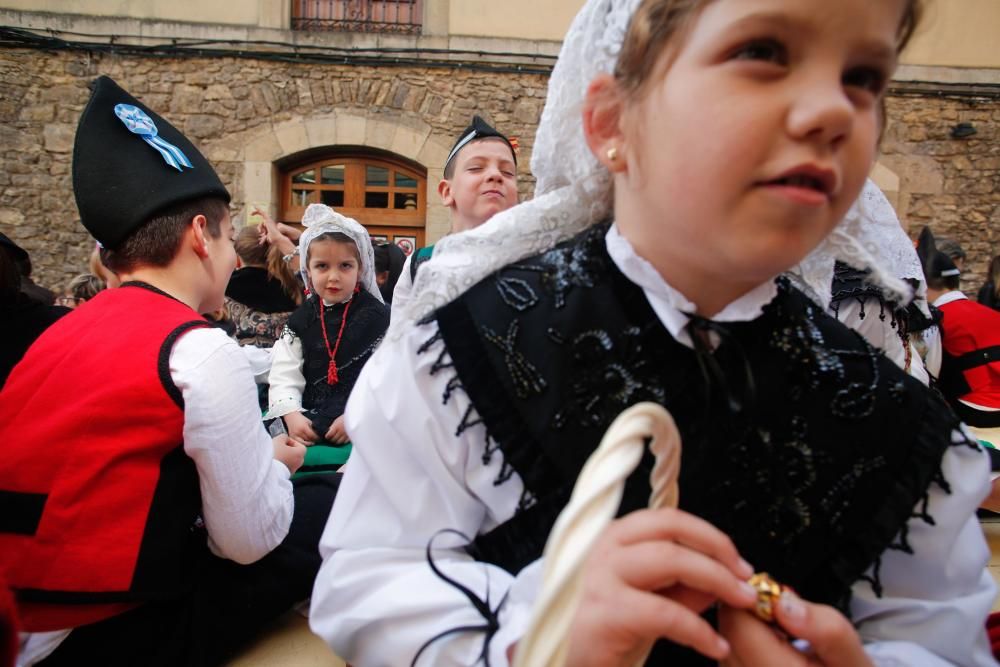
869, 237
573, 190
321, 219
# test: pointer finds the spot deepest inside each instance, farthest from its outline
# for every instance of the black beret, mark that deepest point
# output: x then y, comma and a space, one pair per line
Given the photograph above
936, 264
478, 129
122, 177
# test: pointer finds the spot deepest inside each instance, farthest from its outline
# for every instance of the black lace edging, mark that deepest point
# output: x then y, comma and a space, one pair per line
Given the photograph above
482, 606
506, 429
927, 450
470, 417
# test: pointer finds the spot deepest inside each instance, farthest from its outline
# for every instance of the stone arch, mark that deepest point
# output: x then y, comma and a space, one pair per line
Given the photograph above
398, 133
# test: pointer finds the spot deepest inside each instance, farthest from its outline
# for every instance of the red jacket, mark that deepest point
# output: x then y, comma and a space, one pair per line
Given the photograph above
970, 368
98, 500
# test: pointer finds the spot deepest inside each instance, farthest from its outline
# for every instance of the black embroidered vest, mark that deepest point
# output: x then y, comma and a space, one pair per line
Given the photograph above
367, 320
800, 440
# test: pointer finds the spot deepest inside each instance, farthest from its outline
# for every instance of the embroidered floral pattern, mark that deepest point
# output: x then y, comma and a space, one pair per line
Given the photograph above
570, 265
609, 377
254, 327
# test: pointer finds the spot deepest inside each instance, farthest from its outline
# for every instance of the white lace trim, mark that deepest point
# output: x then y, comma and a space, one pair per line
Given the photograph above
869, 237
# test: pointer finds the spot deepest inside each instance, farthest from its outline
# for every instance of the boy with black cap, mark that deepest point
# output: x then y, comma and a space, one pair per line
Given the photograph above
134, 467
480, 180
966, 358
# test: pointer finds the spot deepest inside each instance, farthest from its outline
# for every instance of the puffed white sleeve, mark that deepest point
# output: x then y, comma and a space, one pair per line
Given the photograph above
416, 479
284, 395
935, 600
259, 359
246, 494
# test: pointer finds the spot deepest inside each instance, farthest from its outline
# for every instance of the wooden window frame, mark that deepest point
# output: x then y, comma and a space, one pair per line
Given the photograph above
388, 222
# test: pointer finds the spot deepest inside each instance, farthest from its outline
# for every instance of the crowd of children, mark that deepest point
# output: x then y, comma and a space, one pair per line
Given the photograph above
186, 499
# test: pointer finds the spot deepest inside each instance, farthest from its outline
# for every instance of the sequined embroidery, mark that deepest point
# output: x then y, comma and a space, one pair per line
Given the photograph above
569, 266
526, 378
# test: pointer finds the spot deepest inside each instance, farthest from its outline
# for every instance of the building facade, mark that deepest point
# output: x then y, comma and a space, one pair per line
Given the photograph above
356, 103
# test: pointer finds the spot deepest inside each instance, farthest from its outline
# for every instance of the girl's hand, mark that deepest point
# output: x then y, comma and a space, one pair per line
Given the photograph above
336, 433
649, 576
271, 234
833, 640
289, 452
300, 428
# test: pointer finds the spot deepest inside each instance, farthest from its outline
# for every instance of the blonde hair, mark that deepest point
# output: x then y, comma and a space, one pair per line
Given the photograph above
84, 287
96, 266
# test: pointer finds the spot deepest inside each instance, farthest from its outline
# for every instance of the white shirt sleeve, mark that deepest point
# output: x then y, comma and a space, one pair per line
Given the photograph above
259, 359
376, 601
284, 395
246, 494
881, 334
935, 601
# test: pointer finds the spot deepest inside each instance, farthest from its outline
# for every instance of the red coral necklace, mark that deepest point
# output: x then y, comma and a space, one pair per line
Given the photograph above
331, 370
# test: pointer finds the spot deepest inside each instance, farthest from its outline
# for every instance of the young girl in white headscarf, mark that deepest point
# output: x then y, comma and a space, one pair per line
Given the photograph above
329, 337
691, 152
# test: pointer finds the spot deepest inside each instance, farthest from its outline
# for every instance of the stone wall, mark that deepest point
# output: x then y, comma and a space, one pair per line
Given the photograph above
952, 185
226, 105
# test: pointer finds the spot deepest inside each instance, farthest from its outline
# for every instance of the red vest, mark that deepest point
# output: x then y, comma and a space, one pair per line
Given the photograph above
970, 337
97, 498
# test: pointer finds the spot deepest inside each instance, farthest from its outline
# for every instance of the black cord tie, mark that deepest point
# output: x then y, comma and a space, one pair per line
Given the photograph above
491, 616
712, 372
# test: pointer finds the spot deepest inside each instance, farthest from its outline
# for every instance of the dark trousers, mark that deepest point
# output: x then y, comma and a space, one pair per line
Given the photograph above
228, 606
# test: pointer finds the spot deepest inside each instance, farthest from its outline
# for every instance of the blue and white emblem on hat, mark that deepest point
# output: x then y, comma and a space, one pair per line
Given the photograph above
138, 122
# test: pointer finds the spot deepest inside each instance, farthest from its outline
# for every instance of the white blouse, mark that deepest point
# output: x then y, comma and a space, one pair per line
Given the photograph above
376, 601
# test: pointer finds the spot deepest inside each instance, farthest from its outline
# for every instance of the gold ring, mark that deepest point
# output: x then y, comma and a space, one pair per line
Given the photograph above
768, 592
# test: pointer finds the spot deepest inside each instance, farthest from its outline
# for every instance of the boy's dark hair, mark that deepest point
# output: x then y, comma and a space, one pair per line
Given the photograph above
944, 283
338, 237
449, 169
155, 242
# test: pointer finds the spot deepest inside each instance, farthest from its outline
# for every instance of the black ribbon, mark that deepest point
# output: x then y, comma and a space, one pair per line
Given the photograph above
712, 372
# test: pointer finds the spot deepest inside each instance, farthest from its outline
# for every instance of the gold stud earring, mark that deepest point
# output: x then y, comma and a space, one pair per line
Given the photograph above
612, 154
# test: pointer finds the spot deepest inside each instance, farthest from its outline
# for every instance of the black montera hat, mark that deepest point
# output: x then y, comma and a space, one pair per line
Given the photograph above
478, 129
936, 264
129, 164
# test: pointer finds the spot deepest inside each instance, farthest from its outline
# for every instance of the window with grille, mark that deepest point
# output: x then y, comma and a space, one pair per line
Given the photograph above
397, 16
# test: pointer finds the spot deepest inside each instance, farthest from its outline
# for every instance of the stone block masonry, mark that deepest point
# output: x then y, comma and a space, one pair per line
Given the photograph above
246, 113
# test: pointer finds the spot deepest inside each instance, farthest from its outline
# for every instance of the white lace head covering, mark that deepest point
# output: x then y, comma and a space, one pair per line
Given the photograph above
869, 237
321, 219
573, 190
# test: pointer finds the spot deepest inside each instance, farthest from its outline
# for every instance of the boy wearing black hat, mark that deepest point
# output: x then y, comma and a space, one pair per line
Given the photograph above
157, 473
480, 180
970, 343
